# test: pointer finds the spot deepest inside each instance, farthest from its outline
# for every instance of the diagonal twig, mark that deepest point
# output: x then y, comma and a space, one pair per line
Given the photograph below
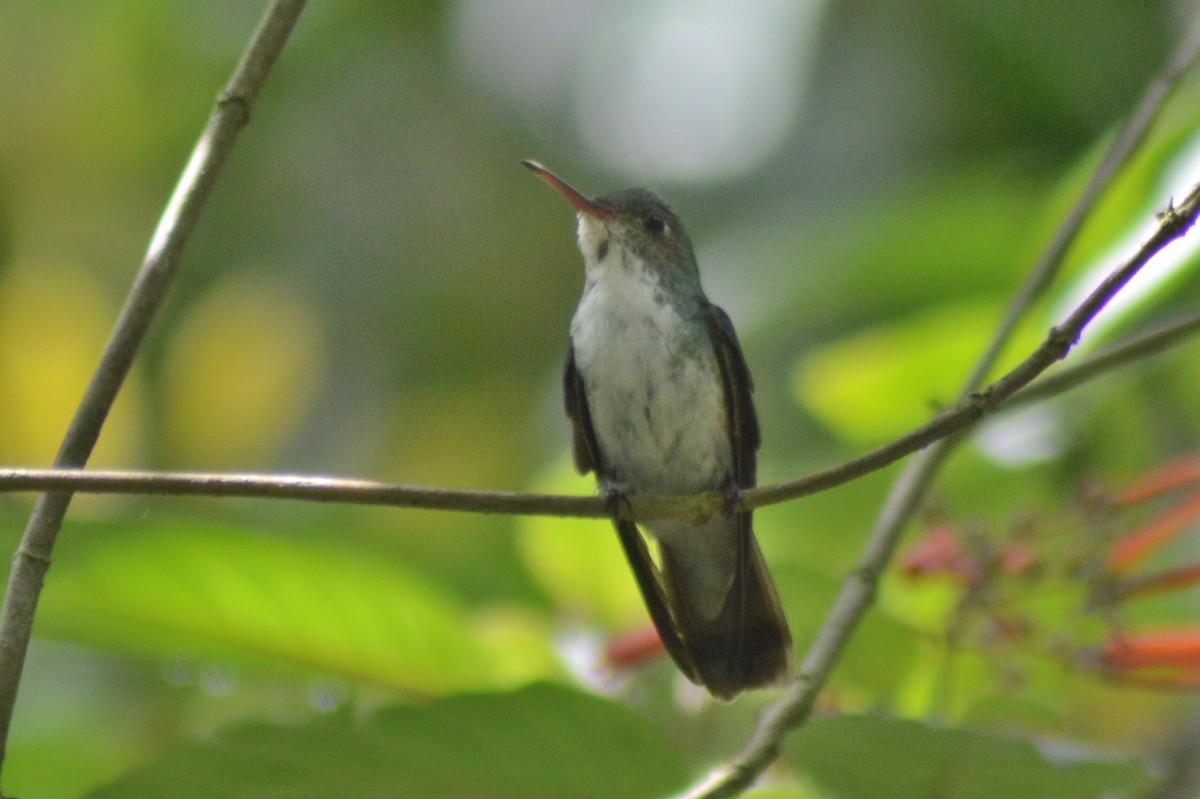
1135, 348
32, 558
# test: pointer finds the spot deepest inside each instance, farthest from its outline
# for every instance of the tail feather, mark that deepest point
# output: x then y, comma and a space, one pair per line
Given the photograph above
650, 583
747, 644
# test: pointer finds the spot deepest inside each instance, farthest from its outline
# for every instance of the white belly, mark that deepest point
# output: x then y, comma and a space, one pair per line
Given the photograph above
655, 395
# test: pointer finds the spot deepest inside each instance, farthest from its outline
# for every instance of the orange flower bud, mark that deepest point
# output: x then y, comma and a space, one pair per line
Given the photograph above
1178, 648
939, 552
1136, 545
1179, 473
633, 648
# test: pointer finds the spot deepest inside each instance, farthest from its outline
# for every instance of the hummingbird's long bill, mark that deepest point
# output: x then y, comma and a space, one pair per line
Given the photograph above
582, 204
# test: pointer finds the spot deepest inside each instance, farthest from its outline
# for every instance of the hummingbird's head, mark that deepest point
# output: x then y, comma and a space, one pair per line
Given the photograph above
627, 229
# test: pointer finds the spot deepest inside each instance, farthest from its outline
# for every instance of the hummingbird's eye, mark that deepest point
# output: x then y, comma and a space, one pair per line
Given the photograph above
654, 223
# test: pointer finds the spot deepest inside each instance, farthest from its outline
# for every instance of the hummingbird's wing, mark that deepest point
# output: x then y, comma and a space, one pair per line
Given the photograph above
650, 583
584, 450
587, 458
738, 387
748, 644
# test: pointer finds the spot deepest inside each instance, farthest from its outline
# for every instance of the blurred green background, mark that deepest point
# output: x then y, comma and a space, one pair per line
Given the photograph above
378, 289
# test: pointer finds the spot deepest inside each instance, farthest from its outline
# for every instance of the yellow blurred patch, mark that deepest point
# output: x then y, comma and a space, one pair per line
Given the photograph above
54, 323
241, 372
435, 423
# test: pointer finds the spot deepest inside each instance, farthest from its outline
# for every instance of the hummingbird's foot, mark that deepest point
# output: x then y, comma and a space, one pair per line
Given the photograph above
617, 499
733, 498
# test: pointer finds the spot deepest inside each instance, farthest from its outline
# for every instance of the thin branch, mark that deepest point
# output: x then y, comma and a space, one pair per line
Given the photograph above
1135, 348
857, 593
639, 508
317, 489
32, 558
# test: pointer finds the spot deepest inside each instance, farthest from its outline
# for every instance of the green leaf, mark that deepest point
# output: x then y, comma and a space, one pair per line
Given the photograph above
865, 757
172, 588
540, 741
1008, 711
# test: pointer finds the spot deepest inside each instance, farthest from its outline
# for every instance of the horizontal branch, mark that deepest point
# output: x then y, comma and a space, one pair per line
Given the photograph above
301, 487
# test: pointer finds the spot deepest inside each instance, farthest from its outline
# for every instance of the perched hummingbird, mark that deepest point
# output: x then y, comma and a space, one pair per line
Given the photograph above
658, 394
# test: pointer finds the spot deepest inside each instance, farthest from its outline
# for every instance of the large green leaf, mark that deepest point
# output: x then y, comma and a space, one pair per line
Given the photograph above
539, 742
866, 756
173, 588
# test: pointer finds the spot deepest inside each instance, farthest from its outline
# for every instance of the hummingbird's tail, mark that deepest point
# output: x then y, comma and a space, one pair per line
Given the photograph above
728, 634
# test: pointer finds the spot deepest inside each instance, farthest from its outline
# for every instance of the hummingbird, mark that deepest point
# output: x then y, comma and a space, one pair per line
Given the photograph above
659, 398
